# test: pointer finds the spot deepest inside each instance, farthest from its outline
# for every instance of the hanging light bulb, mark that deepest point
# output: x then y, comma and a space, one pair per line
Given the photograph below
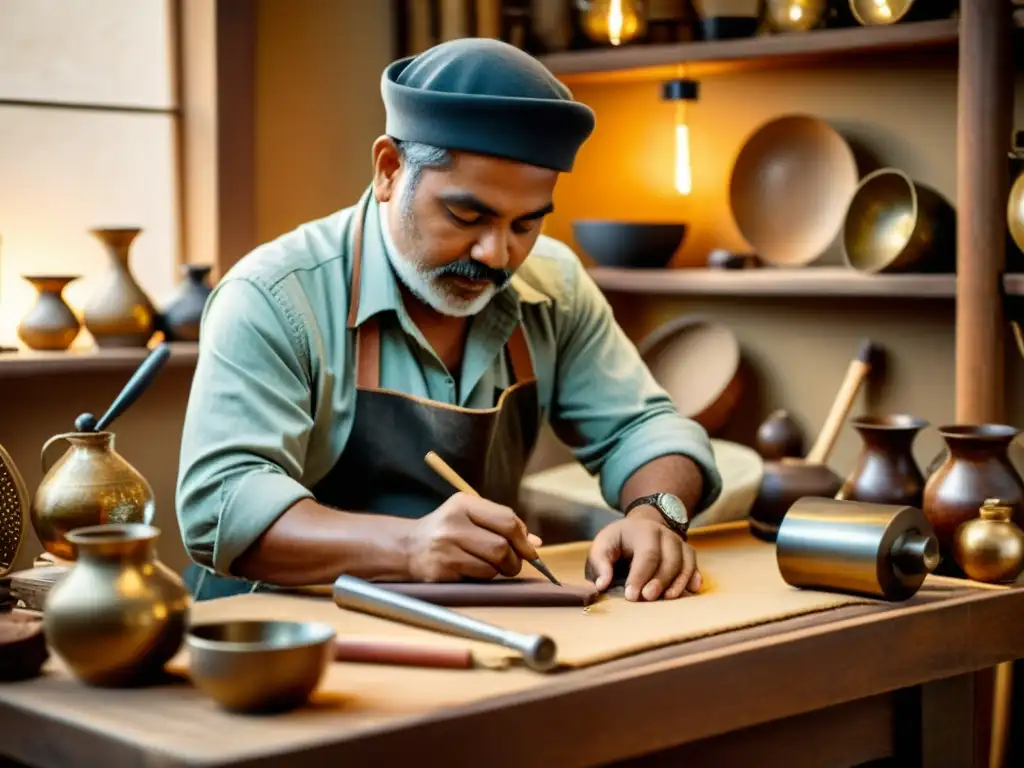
614, 21
682, 92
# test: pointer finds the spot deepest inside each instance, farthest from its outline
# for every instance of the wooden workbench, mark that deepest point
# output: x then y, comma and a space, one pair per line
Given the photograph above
830, 689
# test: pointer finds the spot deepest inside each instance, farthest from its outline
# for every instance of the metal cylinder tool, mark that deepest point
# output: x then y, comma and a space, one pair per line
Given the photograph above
356, 594
878, 550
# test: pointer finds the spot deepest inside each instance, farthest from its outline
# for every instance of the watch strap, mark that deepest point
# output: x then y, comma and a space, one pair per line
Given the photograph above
654, 500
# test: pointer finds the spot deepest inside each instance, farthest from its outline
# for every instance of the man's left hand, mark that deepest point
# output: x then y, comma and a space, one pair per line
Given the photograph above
663, 565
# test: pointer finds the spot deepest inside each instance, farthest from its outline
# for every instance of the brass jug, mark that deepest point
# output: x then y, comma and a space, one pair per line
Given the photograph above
91, 484
120, 614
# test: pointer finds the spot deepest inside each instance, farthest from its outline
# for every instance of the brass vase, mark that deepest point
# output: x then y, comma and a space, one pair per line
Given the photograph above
119, 615
990, 548
49, 324
91, 484
977, 467
886, 472
119, 313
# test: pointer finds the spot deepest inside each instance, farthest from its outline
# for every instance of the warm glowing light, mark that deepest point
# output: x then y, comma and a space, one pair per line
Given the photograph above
614, 21
684, 176
795, 12
883, 8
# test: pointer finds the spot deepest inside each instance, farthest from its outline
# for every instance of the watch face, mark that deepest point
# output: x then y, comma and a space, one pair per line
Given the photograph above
674, 508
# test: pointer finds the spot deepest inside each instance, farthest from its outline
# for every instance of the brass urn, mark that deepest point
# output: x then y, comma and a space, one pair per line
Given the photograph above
91, 484
990, 548
119, 615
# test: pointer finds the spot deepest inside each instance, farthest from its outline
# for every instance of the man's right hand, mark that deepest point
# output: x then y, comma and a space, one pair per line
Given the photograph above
468, 537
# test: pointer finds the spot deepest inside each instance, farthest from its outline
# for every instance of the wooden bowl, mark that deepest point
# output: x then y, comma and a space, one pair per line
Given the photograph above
697, 360
790, 186
896, 225
633, 244
23, 649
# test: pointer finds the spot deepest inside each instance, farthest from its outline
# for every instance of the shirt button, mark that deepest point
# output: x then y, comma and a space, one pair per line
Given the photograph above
450, 381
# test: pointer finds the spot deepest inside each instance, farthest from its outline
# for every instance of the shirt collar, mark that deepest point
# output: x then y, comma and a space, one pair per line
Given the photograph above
379, 291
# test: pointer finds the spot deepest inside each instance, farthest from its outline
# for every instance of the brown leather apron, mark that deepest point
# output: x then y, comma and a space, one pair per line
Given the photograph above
382, 468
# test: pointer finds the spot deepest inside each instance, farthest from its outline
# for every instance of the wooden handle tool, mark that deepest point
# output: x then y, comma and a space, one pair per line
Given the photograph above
442, 468
372, 651
856, 373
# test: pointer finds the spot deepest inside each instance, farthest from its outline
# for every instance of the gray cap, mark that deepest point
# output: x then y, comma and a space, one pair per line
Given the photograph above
487, 97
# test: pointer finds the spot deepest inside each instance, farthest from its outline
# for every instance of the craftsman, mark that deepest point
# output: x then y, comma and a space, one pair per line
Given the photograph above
430, 316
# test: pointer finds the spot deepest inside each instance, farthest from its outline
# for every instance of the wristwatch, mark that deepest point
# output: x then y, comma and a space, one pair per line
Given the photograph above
672, 510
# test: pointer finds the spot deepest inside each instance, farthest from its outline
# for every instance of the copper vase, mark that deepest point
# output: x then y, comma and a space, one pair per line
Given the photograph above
119, 615
91, 484
976, 468
886, 472
50, 324
119, 313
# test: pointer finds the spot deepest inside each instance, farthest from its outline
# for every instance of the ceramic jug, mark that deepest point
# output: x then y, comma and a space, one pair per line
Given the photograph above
119, 615
976, 468
886, 471
180, 320
49, 324
91, 484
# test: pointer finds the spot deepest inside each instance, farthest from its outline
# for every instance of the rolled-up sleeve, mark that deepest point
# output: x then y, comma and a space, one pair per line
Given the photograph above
608, 407
247, 425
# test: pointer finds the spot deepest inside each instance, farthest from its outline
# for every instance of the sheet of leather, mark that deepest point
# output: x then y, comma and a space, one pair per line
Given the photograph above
519, 592
742, 588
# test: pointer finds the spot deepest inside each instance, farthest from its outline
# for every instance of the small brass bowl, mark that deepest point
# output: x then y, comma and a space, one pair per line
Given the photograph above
1015, 212
259, 666
894, 224
870, 13
795, 15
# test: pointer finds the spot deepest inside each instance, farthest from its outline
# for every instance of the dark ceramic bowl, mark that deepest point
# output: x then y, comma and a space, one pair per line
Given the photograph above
638, 245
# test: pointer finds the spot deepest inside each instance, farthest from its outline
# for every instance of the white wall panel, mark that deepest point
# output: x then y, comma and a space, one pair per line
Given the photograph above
91, 51
63, 172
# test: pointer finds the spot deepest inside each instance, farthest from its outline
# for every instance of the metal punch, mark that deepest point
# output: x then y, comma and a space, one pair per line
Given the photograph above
539, 651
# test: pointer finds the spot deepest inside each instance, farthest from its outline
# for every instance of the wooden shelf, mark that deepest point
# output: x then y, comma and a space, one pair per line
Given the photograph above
807, 282
779, 48
30, 363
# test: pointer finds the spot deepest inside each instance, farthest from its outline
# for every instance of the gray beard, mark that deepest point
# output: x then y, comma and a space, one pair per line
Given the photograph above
422, 282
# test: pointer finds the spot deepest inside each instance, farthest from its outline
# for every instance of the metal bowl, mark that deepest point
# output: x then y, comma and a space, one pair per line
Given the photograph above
789, 189
869, 13
795, 15
634, 244
894, 224
1015, 212
259, 666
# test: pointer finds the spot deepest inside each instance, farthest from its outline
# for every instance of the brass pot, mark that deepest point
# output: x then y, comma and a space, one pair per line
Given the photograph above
91, 484
120, 615
894, 224
49, 324
119, 313
990, 548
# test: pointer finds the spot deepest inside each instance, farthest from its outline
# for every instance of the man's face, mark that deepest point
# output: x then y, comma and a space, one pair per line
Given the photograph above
464, 230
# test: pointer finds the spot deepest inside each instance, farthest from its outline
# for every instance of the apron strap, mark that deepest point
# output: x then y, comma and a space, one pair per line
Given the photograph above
519, 355
368, 334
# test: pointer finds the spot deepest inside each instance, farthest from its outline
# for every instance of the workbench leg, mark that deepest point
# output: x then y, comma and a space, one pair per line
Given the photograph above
935, 726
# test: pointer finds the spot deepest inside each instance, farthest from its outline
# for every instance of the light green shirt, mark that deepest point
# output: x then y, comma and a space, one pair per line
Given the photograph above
273, 395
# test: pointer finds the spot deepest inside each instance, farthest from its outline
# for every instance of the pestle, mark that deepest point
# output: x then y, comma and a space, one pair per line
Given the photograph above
137, 384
